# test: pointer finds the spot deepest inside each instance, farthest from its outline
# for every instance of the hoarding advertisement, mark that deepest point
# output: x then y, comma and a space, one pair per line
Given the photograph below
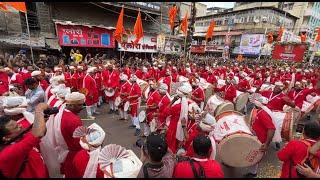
83, 36
251, 44
146, 44
289, 52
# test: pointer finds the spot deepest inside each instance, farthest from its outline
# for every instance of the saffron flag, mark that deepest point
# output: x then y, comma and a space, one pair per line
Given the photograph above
280, 32
172, 15
210, 30
138, 29
303, 37
318, 36
20, 6
3, 6
118, 33
184, 24
270, 37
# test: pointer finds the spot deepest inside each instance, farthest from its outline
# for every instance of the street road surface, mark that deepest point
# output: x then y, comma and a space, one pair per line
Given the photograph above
117, 132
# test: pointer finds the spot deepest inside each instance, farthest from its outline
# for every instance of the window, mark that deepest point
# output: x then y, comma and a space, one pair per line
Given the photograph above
290, 6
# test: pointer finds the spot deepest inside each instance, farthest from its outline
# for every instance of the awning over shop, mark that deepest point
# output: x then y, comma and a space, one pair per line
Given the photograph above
62, 22
53, 44
22, 42
219, 33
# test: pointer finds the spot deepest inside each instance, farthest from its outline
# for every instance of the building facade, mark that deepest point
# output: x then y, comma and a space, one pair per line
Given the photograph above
245, 21
307, 12
45, 17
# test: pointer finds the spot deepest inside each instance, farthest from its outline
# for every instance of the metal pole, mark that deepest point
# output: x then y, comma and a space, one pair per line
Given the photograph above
265, 32
29, 37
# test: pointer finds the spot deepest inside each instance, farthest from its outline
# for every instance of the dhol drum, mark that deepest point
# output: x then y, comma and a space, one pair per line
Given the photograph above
237, 146
284, 124
145, 88
142, 116
216, 105
109, 92
315, 101
126, 107
265, 87
241, 100
221, 83
117, 101
174, 87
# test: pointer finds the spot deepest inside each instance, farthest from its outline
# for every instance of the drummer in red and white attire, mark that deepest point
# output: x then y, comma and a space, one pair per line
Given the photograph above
198, 94
178, 112
243, 84
277, 99
134, 99
111, 80
167, 79
298, 94
152, 106
229, 90
264, 128
85, 161
92, 96
163, 110
124, 93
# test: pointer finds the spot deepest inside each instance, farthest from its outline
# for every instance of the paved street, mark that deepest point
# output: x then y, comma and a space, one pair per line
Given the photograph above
118, 133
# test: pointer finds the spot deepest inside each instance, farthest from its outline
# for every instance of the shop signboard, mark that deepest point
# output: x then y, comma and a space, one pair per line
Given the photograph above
84, 36
147, 44
289, 52
251, 44
198, 49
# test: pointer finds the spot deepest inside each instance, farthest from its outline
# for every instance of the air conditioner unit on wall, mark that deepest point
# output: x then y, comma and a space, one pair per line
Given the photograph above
256, 19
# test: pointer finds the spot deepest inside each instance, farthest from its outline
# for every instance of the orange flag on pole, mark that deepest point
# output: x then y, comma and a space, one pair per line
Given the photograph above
3, 6
172, 15
280, 32
210, 30
303, 37
20, 6
118, 33
318, 36
138, 29
184, 24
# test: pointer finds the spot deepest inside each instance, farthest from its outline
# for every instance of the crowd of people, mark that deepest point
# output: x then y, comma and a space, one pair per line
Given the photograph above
180, 110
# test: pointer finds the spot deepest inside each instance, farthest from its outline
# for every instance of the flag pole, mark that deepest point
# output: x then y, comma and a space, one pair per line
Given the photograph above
28, 30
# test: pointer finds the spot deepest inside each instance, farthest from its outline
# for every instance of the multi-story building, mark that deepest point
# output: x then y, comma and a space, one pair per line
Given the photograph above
307, 12
216, 10
245, 21
54, 23
201, 9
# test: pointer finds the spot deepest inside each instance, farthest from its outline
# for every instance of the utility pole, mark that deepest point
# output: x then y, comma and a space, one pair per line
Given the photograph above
190, 30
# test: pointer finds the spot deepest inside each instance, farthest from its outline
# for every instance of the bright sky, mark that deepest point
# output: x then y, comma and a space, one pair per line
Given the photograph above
219, 4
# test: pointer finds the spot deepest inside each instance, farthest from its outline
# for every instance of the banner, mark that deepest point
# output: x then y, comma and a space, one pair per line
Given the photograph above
251, 43
198, 49
288, 36
147, 44
214, 48
83, 36
289, 52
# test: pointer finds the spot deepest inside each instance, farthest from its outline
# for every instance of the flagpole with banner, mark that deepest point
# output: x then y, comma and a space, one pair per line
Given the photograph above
28, 30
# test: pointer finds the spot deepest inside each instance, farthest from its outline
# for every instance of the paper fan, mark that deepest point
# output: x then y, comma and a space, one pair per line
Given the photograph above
254, 96
110, 154
80, 132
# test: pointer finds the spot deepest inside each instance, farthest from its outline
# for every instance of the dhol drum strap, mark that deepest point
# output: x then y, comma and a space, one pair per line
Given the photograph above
194, 170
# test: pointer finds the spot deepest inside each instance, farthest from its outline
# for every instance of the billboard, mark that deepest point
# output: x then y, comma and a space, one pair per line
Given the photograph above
198, 49
251, 43
147, 44
83, 36
289, 52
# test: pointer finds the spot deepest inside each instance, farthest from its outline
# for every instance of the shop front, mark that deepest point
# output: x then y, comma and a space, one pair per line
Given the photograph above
87, 39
